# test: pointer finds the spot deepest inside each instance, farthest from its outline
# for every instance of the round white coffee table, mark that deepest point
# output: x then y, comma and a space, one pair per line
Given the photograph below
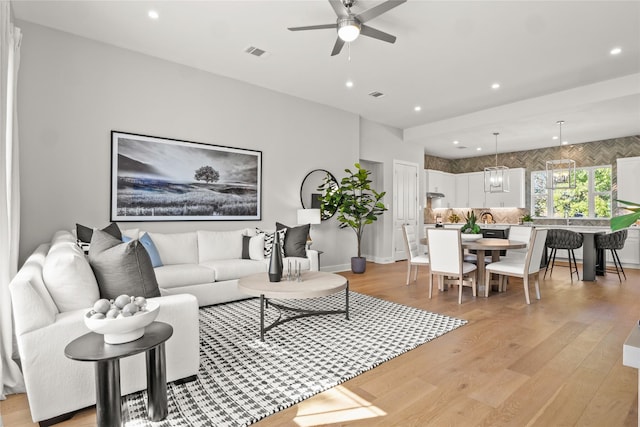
314, 284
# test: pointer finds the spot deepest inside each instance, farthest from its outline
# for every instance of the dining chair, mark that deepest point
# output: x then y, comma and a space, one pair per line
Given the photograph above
564, 239
613, 242
523, 268
414, 257
446, 261
518, 233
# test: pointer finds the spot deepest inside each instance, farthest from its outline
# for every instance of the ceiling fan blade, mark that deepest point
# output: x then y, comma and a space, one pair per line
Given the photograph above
337, 47
378, 10
338, 8
365, 30
313, 27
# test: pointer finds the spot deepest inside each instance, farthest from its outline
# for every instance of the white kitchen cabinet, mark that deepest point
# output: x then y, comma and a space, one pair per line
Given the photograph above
630, 253
515, 198
441, 182
476, 190
627, 178
462, 191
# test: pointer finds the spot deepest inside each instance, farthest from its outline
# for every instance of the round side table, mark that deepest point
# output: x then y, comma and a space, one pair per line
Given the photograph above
92, 348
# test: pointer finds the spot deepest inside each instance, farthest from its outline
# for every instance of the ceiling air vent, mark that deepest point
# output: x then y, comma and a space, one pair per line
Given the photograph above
255, 51
376, 94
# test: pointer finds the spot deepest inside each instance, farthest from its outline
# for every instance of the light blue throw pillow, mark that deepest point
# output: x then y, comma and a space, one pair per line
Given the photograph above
148, 244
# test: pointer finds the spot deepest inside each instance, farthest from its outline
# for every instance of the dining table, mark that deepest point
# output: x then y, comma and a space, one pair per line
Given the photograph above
483, 247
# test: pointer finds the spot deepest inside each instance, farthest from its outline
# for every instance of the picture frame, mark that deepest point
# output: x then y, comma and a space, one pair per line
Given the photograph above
163, 179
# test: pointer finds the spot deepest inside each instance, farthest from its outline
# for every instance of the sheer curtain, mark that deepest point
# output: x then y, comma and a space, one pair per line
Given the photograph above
10, 38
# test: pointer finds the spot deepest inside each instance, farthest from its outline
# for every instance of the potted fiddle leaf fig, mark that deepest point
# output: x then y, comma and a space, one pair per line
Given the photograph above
624, 221
356, 203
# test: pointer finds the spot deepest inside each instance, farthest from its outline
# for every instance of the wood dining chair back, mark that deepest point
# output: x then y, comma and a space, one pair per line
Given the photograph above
412, 249
446, 261
523, 268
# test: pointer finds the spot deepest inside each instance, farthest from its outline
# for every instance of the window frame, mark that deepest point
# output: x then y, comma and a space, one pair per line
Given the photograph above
591, 197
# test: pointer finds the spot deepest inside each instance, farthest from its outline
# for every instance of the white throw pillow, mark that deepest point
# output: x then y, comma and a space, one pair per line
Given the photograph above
132, 233
69, 278
177, 248
256, 247
215, 245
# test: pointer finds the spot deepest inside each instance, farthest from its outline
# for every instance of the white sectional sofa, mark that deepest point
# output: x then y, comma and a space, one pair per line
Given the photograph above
56, 286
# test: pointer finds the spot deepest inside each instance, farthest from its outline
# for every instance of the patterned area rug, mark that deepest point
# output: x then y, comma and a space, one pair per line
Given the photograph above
242, 380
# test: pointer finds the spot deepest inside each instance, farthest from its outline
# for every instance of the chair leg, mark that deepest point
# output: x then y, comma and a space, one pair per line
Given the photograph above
537, 284
408, 271
487, 283
460, 281
525, 280
430, 284
553, 261
615, 257
575, 264
474, 285
415, 274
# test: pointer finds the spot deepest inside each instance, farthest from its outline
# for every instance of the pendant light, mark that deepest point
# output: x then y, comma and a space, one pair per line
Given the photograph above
561, 174
496, 178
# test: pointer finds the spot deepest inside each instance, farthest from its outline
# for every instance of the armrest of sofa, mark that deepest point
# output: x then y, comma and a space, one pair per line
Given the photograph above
314, 260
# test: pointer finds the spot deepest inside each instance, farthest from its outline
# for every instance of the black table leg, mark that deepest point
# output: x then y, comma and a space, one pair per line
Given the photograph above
157, 383
108, 400
262, 318
346, 303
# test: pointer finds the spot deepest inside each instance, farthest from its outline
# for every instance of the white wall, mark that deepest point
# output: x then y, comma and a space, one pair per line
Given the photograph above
381, 144
74, 91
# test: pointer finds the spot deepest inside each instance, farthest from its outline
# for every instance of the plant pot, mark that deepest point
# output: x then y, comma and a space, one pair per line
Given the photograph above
358, 264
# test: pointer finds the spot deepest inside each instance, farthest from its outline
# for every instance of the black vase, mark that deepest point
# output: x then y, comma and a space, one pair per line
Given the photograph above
275, 263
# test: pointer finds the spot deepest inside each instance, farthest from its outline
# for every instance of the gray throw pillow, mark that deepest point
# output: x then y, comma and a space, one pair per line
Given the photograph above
84, 233
295, 241
121, 268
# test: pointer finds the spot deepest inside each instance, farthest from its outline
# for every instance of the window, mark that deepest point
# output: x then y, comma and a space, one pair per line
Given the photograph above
590, 199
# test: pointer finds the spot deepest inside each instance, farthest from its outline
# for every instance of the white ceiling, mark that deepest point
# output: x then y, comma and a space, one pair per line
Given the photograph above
550, 57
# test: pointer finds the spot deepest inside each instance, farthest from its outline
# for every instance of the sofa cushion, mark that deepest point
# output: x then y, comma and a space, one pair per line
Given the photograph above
229, 269
177, 275
84, 233
214, 245
131, 233
69, 277
269, 238
295, 240
121, 268
147, 242
176, 248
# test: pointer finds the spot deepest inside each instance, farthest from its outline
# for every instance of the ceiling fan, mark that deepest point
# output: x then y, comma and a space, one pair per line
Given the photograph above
351, 25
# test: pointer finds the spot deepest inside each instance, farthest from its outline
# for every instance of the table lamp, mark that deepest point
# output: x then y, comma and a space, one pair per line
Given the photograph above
309, 216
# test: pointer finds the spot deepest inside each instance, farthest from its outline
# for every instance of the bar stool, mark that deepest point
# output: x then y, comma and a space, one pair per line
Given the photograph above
564, 239
613, 242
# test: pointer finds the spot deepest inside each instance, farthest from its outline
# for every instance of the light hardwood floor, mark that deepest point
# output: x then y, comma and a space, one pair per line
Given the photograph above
556, 362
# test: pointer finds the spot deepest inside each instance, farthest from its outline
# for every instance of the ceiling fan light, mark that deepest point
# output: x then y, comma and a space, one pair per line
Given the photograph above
348, 29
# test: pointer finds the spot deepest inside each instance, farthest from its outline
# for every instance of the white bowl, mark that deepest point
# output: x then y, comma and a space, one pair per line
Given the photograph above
124, 329
470, 236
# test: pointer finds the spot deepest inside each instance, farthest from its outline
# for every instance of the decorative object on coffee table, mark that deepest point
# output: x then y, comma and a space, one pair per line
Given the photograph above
357, 205
275, 262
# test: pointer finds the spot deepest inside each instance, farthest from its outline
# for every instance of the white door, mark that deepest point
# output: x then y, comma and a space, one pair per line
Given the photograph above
405, 203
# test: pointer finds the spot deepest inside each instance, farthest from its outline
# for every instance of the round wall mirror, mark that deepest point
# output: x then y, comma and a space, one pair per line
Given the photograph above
309, 194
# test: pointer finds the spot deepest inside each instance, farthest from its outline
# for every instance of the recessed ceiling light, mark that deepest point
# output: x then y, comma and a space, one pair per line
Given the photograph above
565, 142
479, 149
349, 83
417, 108
615, 51
554, 137
456, 142
495, 86
153, 14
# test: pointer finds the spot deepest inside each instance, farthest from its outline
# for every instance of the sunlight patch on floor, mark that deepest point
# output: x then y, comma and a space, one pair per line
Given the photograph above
333, 406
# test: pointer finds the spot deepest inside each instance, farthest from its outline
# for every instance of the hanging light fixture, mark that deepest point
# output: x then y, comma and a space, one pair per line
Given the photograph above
561, 174
496, 178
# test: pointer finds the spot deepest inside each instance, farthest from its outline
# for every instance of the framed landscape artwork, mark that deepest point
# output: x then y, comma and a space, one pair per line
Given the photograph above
160, 179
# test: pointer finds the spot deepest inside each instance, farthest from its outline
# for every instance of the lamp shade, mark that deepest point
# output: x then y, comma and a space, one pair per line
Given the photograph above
308, 216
